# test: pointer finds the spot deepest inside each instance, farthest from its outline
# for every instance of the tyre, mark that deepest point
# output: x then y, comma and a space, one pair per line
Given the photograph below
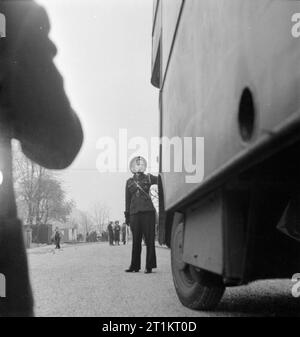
196, 288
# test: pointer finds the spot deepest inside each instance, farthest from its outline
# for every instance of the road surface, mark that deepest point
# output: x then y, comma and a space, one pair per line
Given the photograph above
89, 280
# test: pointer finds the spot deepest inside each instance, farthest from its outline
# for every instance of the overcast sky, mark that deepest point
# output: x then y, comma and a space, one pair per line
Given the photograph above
104, 55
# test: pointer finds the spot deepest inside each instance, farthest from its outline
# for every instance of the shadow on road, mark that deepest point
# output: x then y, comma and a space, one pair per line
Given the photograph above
259, 300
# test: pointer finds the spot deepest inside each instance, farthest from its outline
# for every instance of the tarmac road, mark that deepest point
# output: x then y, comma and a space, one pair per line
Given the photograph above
89, 280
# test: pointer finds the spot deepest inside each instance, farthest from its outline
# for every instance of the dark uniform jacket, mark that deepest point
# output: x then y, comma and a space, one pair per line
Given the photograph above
137, 194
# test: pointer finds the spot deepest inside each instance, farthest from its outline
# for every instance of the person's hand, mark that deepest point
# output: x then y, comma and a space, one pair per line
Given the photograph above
126, 214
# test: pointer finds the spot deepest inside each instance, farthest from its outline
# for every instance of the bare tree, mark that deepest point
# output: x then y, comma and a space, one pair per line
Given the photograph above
86, 221
39, 194
100, 215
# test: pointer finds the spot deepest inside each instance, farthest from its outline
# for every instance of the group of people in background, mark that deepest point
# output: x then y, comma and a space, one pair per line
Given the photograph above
115, 231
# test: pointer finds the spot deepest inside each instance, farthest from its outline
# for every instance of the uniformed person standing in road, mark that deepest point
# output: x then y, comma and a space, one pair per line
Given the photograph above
140, 214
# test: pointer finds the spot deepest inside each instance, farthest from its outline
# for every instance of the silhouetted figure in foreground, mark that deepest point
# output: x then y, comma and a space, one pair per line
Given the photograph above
35, 110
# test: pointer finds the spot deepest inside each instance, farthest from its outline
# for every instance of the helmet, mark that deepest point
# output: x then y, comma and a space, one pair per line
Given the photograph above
138, 164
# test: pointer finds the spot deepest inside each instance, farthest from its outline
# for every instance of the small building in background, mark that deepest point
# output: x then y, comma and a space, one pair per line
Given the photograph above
69, 234
42, 233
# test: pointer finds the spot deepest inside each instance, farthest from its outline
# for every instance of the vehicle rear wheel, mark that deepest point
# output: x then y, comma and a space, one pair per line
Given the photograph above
196, 288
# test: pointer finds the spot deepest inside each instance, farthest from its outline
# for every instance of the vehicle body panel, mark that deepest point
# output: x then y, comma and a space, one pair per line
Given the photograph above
219, 48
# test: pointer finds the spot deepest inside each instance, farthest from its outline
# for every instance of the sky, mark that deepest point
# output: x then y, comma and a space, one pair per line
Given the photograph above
104, 55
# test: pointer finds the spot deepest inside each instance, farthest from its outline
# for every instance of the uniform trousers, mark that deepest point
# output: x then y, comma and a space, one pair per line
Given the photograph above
142, 225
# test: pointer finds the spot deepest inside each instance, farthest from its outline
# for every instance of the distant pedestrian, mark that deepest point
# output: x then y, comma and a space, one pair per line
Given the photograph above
57, 238
117, 230
124, 232
110, 233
